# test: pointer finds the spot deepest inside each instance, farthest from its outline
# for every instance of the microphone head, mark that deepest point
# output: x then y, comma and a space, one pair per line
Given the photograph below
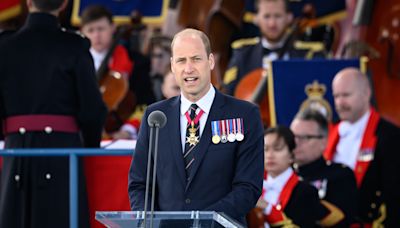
157, 119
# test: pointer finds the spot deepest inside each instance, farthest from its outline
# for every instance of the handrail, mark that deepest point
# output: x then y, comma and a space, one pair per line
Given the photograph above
73, 154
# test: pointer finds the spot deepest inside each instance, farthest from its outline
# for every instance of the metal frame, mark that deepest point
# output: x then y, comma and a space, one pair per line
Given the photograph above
73, 154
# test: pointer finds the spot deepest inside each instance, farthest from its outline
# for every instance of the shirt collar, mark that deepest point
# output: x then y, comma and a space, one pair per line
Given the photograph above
346, 127
266, 44
279, 181
98, 54
204, 103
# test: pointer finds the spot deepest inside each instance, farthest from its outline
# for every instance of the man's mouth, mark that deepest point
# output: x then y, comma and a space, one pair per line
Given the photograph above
190, 79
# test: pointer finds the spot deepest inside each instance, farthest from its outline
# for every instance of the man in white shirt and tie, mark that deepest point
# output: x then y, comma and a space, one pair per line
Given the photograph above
211, 149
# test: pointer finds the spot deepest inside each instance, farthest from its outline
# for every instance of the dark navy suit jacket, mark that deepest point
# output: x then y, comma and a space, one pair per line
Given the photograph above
225, 177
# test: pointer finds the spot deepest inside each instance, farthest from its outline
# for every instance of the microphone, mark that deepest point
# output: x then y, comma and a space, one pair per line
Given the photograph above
156, 120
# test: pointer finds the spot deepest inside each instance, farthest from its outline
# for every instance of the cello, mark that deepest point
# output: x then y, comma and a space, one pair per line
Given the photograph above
383, 35
114, 88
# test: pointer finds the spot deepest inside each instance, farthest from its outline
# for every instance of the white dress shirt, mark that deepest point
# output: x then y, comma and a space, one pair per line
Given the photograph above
204, 104
273, 55
351, 135
273, 187
98, 57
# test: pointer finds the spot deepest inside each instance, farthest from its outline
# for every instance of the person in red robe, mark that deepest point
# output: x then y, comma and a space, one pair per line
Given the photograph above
368, 144
286, 201
106, 175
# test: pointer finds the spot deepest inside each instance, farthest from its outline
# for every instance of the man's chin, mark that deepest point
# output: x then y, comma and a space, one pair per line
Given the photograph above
274, 39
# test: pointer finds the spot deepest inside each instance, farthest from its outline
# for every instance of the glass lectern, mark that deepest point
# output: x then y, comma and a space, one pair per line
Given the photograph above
167, 219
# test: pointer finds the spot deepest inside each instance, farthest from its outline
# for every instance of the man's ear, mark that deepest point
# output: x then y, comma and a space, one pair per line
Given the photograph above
290, 17
172, 69
211, 60
114, 28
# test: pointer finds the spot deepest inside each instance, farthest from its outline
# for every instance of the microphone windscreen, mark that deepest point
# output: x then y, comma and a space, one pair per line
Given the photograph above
157, 119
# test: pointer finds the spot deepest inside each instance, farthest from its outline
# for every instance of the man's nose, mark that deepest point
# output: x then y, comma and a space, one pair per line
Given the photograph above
188, 67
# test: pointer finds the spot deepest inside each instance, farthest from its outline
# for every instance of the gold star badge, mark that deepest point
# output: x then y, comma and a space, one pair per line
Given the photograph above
192, 139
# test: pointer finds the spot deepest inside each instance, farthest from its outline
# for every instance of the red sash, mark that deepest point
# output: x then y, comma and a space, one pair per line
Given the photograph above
367, 147
120, 61
277, 215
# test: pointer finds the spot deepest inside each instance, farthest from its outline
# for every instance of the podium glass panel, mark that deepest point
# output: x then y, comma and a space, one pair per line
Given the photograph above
166, 219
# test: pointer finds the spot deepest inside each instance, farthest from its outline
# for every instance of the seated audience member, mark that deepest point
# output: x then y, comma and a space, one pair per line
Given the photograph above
130, 129
160, 55
369, 145
336, 183
274, 19
286, 200
97, 25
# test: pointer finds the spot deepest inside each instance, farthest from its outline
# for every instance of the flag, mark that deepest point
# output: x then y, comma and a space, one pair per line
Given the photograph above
153, 11
298, 84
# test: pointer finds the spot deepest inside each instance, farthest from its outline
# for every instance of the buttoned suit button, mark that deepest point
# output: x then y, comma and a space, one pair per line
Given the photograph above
17, 178
48, 176
187, 201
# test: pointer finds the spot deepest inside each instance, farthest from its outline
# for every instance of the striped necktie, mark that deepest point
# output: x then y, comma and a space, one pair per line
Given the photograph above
192, 136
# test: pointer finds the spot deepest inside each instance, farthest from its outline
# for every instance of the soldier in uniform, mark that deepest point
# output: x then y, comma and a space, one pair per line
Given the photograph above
368, 144
49, 98
335, 182
273, 18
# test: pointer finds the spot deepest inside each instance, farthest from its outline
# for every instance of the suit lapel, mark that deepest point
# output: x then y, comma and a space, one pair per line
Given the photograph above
205, 140
173, 125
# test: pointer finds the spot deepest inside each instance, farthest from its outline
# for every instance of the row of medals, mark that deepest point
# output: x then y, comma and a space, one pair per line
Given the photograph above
230, 137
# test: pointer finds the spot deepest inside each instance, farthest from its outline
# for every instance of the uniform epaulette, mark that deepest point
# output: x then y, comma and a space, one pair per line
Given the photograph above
77, 32
311, 47
244, 42
306, 45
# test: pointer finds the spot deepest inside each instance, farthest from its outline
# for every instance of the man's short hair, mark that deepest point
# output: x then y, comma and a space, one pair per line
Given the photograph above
47, 5
317, 117
286, 2
202, 35
94, 13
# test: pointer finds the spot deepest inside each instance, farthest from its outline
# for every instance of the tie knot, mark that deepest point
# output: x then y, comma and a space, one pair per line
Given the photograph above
267, 51
192, 110
193, 107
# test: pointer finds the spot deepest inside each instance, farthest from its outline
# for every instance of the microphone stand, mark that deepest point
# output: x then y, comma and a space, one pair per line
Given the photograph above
157, 128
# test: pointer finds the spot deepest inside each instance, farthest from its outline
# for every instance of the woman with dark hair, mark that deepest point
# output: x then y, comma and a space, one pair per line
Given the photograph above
286, 201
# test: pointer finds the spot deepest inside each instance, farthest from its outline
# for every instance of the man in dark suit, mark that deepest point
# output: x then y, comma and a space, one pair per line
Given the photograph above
336, 183
369, 145
49, 98
211, 149
273, 18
